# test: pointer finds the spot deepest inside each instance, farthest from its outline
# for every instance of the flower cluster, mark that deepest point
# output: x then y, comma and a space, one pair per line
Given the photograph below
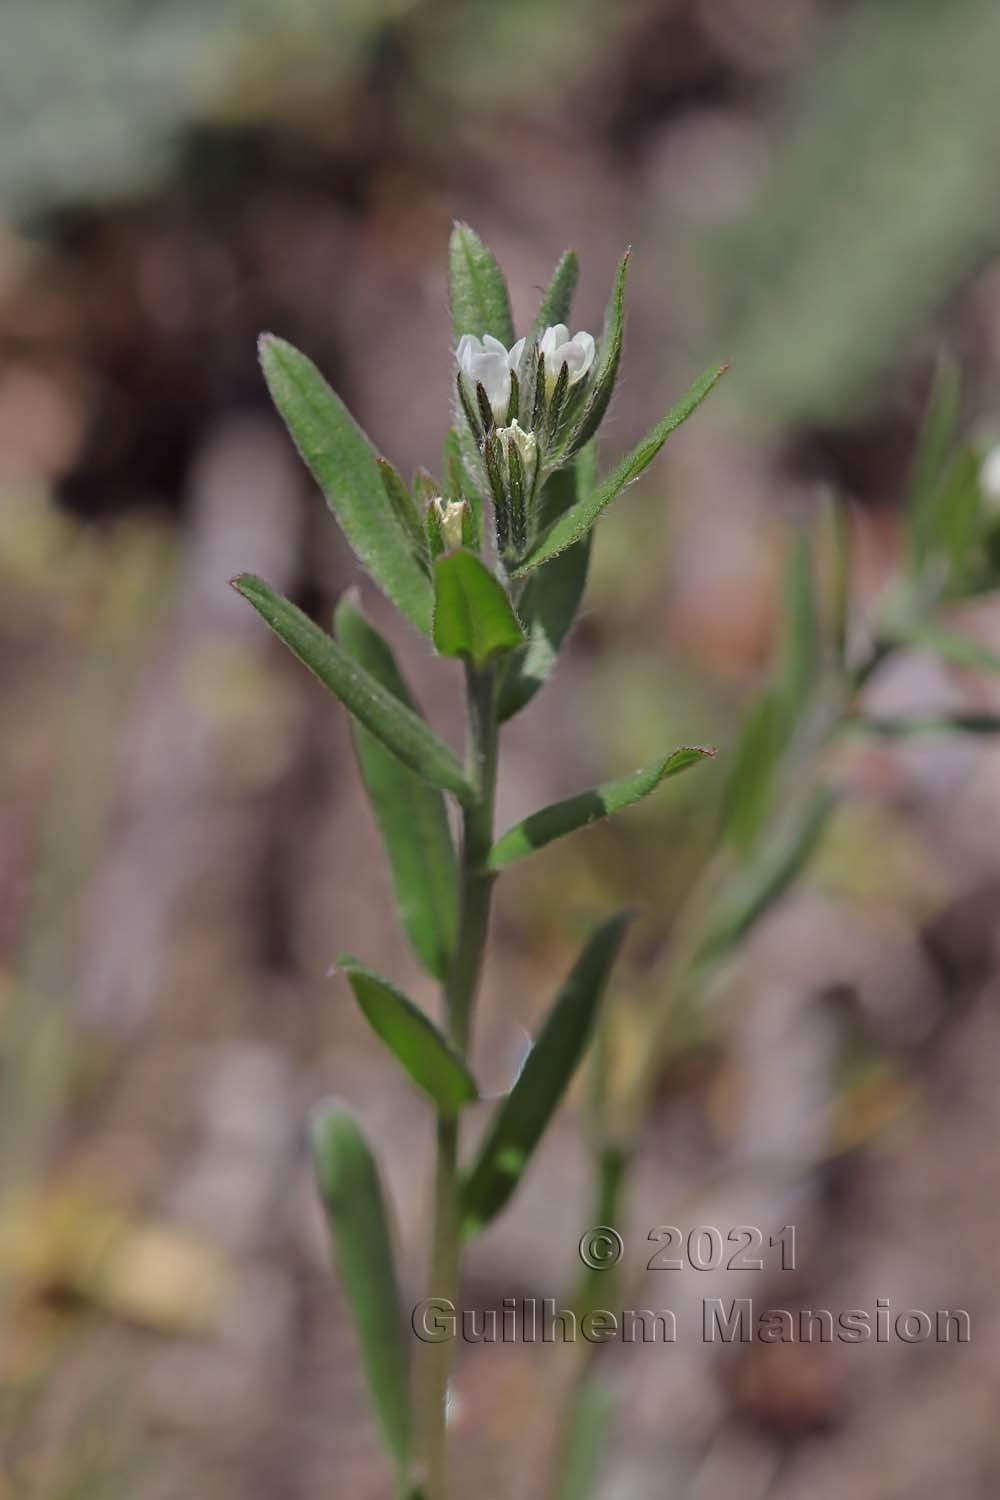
520, 404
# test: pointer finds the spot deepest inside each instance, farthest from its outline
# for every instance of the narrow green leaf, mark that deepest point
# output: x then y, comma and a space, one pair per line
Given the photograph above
577, 521
750, 785
398, 727
479, 300
952, 646
411, 815
934, 448
802, 644
603, 384
839, 542
578, 812
344, 466
473, 617
549, 601
524, 1113
767, 878
902, 729
355, 1205
558, 300
404, 508
412, 1037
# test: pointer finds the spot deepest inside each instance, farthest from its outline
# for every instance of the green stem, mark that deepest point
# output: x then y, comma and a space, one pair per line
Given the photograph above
476, 887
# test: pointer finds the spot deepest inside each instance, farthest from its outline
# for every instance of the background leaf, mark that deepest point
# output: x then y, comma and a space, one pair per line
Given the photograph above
479, 300
578, 520
802, 646
343, 463
523, 1115
355, 1205
473, 618
396, 726
411, 1037
411, 815
577, 812
768, 878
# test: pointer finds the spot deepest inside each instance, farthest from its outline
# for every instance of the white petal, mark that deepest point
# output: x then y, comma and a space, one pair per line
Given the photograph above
514, 357
494, 345
588, 350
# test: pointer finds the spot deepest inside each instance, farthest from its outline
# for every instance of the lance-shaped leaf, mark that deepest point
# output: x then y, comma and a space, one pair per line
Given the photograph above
411, 815
524, 1113
558, 300
750, 786
767, 878
473, 617
459, 485
932, 724
952, 646
479, 300
802, 646
577, 812
396, 726
549, 602
412, 1037
603, 383
344, 465
355, 1205
934, 451
578, 521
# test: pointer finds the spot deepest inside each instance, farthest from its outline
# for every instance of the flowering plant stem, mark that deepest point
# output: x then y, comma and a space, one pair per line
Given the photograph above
475, 891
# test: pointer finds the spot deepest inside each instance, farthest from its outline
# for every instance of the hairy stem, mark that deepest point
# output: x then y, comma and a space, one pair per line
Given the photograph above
476, 886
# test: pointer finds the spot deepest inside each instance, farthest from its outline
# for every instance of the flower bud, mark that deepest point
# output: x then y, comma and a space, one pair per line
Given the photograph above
525, 442
448, 517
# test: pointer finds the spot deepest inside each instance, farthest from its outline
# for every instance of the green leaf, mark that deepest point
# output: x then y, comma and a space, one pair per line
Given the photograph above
749, 788
549, 602
479, 300
901, 729
473, 617
577, 812
396, 726
405, 509
412, 1037
355, 1205
577, 521
767, 879
558, 300
411, 815
934, 448
802, 646
603, 383
344, 466
524, 1113
960, 650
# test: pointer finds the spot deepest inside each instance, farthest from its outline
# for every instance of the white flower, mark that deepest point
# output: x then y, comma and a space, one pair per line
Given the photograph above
989, 480
525, 442
450, 514
559, 349
486, 362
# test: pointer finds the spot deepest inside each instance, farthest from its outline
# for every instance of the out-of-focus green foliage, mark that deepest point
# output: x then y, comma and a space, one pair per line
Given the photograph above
95, 94
879, 205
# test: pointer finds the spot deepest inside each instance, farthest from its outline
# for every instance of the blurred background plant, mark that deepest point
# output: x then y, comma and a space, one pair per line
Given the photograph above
808, 187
